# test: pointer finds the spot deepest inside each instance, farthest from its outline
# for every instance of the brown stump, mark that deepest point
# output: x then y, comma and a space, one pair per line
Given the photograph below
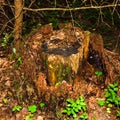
68, 53
63, 54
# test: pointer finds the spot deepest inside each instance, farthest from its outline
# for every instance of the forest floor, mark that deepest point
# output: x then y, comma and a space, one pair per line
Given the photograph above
13, 93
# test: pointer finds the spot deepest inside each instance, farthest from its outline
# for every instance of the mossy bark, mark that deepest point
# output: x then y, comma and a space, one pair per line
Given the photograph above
63, 53
60, 68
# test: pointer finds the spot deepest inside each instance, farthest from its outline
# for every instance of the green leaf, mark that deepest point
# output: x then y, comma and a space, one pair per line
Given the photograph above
70, 101
101, 103
110, 105
76, 118
73, 112
118, 113
107, 95
84, 116
38, 25
5, 100
109, 100
19, 60
74, 115
64, 111
82, 104
42, 105
69, 105
69, 113
77, 101
84, 108
111, 85
116, 84
116, 101
73, 104
94, 118
29, 117
79, 107
68, 108
16, 108
32, 108
76, 109
111, 91
115, 89
82, 99
98, 73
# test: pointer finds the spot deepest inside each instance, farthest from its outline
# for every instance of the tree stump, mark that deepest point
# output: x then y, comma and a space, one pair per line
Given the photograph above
55, 59
63, 54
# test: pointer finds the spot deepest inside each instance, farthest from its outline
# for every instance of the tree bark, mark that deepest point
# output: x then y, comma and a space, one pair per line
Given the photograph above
63, 53
18, 23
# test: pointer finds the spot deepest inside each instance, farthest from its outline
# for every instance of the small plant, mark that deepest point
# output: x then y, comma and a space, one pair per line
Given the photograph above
98, 73
101, 103
29, 117
118, 113
111, 94
19, 61
8, 38
73, 107
84, 116
5, 100
110, 105
111, 97
16, 108
38, 25
94, 118
42, 105
112, 100
32, 108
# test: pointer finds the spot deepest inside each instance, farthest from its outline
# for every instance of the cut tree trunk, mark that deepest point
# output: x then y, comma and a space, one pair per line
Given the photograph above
63, 54
51, 57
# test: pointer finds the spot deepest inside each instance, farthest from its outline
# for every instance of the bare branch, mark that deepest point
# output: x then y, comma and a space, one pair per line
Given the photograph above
5, 25
67, 9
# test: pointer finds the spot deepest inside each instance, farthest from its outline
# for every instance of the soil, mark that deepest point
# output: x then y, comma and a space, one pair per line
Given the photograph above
26, 91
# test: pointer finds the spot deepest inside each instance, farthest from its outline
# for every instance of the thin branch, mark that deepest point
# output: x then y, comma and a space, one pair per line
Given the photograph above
70, 12
115, 3
66, 9
31, 3
4, 26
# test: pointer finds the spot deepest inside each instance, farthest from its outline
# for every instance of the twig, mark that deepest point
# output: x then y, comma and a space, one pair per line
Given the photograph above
66, 9
4, 26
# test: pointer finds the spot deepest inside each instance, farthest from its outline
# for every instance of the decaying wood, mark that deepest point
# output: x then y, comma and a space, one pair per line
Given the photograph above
96, 52
112, 62
51, 57
64, 54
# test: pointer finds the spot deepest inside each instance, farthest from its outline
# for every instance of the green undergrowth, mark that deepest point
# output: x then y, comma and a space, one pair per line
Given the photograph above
77, 109
74, 107
112, 100
7, 39
31, 109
